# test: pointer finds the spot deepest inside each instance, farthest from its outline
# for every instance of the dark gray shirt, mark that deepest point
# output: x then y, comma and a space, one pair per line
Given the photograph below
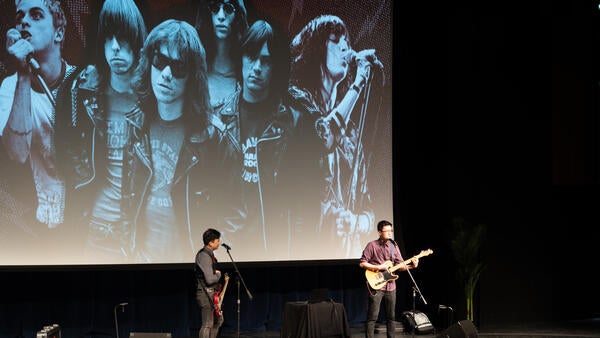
205, 267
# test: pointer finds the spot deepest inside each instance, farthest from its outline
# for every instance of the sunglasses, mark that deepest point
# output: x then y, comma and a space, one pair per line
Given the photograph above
215, 7
160, 61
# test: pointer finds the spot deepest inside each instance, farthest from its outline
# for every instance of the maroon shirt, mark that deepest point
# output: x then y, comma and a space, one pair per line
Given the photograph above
377, 252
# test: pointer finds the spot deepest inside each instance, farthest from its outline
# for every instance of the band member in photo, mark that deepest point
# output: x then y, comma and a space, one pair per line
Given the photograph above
327, 79
221, 25
251, 131
27, 106
103, 99
171, 78
207, 283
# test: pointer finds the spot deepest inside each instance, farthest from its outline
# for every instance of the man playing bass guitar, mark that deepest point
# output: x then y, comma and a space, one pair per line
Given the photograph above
377, 256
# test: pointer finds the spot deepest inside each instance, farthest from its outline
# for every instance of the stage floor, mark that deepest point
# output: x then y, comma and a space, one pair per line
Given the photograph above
583, 329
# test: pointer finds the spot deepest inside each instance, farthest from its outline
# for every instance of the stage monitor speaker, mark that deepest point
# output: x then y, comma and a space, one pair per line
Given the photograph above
150, 335
462, 329
417, 321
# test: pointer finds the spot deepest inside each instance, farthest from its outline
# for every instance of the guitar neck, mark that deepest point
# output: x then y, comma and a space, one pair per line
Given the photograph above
399, 265
222, 294
410, 260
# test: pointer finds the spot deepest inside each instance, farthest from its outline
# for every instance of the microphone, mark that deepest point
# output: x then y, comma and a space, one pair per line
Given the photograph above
367, 58
367, 55
122, 305
15, 35
34, 66
226, 246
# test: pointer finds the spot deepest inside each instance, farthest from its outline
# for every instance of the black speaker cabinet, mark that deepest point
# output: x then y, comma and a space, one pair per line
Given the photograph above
462, 329
149, 335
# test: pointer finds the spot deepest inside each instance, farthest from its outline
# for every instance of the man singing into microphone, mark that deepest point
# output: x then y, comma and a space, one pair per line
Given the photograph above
27, 112
376, 256
327, 82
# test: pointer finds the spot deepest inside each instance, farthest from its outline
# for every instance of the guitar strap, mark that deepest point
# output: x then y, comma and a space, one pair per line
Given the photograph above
391, 245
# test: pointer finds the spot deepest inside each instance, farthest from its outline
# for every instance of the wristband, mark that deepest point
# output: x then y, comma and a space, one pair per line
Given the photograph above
20, 133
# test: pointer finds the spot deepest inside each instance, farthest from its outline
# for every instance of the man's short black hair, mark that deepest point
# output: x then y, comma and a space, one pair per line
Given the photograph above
381, 224
210, 235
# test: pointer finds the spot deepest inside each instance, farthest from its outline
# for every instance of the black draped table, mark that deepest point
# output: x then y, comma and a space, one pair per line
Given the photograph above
320, 319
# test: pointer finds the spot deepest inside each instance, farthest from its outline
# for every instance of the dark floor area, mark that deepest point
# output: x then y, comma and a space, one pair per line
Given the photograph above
573, 329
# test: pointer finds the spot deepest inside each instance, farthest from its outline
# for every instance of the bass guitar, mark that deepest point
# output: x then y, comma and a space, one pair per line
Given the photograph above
218, 296
378, 279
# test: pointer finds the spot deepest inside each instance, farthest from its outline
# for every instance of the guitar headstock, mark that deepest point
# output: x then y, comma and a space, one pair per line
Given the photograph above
425, 253
226, 276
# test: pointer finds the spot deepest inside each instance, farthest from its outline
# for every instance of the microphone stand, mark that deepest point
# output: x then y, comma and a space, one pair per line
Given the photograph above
122, 306
415, 289
239, 278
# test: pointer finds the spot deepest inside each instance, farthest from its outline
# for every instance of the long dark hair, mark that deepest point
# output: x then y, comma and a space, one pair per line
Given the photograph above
182, 37
120, 18
259, 33
204, 26
309, 51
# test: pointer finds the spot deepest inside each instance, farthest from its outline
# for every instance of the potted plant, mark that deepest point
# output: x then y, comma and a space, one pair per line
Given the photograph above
465, 246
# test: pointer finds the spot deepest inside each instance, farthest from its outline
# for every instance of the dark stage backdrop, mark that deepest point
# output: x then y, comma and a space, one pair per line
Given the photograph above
369, 25
162, 299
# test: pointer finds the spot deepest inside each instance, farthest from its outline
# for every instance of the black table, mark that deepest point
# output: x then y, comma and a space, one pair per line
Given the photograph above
320, 319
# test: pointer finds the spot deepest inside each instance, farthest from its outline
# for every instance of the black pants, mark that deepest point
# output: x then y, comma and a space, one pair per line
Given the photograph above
389, 299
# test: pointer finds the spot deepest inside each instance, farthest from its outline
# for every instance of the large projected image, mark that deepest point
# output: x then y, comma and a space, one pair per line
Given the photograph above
130, 127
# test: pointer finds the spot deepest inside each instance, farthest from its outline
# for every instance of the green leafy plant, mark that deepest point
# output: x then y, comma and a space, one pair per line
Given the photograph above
466, 246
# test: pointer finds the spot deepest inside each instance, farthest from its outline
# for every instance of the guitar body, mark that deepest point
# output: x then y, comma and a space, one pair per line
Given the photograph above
218, 311
378, 280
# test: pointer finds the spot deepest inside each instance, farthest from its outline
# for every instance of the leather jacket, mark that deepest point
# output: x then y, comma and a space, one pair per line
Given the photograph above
190, 192
270, 150
333, 171
82, 142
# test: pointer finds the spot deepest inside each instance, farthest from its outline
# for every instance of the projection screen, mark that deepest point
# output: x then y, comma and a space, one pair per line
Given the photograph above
283, 145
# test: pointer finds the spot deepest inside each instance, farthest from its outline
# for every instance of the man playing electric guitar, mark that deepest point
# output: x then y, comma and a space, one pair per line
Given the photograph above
208, 277
377, 256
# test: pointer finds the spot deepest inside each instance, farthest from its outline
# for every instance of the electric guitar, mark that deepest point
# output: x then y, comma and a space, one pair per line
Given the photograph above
218, 296
378, 279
